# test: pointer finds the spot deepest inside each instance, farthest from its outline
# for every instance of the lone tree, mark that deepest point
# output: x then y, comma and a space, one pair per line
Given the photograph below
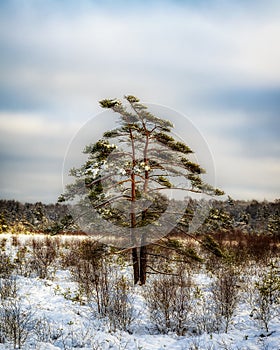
123, 187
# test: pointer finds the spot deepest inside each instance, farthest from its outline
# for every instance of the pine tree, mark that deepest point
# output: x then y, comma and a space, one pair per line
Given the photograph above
125, 176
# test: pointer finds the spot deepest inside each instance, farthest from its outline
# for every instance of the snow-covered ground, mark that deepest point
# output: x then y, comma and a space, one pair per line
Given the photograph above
57, 319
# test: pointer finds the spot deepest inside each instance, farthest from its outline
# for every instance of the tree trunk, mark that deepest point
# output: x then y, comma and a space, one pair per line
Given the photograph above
135, 255
143, 248
135, 262
143, 264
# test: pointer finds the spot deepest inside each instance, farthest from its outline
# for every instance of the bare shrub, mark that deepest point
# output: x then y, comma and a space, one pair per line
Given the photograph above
44, 253
108, 291
169, 301
204, 317
91, 272
3, 242
253, 246
43, 330
99, 279
6, 265
21, 262
8, 288
8, 291
267, 295
244, 247
120, 309
51, 332
225, 296
15, 240
70, 252
101, 290
260, 247
16, 322
75, 336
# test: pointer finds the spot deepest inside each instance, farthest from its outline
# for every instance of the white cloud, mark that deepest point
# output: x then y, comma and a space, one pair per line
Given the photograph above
241, 176
245, 179
104, 51
60, 60
31, 124
25, 136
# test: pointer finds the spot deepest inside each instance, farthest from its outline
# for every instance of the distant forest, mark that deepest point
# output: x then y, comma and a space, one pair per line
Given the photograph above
252, 217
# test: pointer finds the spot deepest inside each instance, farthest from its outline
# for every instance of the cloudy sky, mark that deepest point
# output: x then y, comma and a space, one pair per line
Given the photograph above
216, 62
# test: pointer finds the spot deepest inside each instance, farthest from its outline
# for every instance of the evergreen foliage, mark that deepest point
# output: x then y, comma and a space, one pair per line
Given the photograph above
150, 156
143, 161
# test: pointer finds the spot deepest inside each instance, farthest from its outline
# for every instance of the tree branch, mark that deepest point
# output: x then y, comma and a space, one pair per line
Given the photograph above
160, 272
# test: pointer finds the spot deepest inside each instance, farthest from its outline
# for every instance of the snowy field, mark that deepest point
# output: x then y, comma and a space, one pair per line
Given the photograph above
48, 302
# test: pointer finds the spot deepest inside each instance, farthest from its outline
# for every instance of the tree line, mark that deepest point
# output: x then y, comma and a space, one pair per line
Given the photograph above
255, 217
